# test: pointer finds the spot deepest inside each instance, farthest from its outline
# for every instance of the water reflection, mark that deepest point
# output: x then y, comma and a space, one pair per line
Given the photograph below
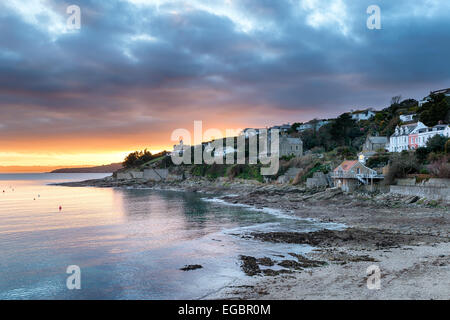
128, 243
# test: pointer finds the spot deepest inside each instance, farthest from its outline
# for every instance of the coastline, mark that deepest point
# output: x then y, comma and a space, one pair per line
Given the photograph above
410, 242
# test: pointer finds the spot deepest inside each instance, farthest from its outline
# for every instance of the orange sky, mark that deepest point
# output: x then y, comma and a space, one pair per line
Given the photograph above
28, 154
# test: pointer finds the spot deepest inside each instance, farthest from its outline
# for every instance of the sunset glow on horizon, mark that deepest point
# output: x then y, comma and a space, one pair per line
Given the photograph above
137, 70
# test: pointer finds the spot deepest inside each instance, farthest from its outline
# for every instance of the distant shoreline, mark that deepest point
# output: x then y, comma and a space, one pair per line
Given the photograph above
109, 168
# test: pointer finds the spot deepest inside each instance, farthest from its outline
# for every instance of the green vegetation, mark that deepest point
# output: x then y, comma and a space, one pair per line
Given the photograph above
340, 139
137, 158
433, 160
140, 158
378, 161
437, 109
245, 171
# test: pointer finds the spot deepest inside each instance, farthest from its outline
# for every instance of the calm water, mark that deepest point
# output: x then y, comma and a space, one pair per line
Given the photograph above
129, 244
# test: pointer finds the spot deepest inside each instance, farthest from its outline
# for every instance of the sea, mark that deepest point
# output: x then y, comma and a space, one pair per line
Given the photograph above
59, 242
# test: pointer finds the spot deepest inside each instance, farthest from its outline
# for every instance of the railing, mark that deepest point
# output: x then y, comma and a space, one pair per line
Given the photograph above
355, 175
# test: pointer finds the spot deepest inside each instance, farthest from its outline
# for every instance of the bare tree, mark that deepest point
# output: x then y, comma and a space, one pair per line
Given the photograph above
396, 100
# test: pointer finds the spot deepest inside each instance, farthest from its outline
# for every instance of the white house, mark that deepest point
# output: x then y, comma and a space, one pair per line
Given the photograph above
283, 128
399, 141
178, 149
313, 124
426, 133
362, 115
446, 92
249, 132
219, 152
407, 117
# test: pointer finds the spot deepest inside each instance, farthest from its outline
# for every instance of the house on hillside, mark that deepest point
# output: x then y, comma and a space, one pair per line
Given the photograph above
178, 149
250, 132
287, 146
421, 138
407, 117
375, 143
350, 174
219, 152
313, 124
400, 140
371, 146
290, 146
446, 92
362, 114
284, 128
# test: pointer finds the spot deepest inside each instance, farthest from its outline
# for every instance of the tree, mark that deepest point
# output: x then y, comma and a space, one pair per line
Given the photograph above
137, 158
294, 127
396, 100
422, 154
437, 143
344, 129
131, 159
434, 110
401, 164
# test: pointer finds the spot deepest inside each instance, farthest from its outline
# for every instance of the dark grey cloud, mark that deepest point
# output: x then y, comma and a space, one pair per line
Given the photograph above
310, 57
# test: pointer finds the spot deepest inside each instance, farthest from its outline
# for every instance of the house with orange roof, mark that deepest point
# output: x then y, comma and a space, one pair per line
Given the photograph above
351, 174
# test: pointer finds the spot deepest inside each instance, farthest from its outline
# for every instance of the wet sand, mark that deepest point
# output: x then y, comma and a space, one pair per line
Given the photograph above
406, 237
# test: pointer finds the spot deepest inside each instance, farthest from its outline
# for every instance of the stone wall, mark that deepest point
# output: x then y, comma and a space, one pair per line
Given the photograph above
435, 189
155, 174
130, 175
434, 193
290, 175
318, 180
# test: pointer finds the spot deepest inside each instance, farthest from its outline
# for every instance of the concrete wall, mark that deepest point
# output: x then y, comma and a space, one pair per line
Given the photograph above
318, 180
155, 174
290, 175
129, 175
429, 192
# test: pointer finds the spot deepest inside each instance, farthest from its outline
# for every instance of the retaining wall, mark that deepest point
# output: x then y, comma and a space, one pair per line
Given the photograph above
429, 192
156, 174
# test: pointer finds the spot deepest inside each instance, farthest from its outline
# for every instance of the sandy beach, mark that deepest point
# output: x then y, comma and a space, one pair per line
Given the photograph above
408, 240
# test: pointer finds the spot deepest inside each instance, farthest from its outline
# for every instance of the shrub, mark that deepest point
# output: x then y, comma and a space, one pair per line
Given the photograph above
245, 171
440, 168
401, 165
377, 161
346, 152
437, 143
422, 154
287, 158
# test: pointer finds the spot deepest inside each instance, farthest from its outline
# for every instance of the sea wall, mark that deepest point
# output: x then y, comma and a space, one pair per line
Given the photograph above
129, 175
435, 189
155, 174
318, 180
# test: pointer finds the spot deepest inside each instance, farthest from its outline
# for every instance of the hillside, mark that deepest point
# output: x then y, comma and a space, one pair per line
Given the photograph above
99, 169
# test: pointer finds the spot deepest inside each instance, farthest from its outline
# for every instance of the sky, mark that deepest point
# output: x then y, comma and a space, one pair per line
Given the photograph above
138, 69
